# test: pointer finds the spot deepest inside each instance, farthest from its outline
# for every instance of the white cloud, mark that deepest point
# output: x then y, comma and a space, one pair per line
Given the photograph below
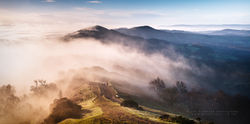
95, 1
80, 17
50, 1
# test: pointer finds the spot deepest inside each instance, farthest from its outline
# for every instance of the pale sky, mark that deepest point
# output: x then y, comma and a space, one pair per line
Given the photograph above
124, 13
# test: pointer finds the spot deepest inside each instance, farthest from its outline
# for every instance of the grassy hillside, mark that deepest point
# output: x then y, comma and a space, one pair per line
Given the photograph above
105, 108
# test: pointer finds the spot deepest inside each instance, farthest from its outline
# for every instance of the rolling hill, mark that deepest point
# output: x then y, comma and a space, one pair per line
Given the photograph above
103, 101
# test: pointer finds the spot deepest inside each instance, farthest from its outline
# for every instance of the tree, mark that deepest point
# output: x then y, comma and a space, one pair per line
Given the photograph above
181, 87
41, 88
8, 100
157, 84
7, 90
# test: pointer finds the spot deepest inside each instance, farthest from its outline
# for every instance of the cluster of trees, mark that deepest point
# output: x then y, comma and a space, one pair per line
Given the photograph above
8, 100
169, 94
42, 88
219, 106
11, 105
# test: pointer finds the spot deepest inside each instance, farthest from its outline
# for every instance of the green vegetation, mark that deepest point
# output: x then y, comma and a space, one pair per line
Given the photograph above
62, 109
104, 110
131, 103
89, 120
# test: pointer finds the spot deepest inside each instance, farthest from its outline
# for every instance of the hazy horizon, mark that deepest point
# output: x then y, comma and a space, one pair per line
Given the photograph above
118, 13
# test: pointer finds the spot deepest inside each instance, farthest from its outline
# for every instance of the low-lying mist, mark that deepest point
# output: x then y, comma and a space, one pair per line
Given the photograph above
47, 58
26, 59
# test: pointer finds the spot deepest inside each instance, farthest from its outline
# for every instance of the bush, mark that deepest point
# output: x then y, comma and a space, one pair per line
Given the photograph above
131, 104
61, 109
182, 120
164, 117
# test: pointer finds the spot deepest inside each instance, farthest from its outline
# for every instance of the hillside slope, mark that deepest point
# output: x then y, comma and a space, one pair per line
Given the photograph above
104, 104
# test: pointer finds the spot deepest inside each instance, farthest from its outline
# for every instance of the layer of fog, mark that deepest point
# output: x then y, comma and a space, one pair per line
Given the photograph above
41, 55
28, 56
199, 28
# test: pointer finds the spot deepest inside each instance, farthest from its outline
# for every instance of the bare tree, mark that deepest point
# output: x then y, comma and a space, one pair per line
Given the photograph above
157, 84
42, 87
181, 87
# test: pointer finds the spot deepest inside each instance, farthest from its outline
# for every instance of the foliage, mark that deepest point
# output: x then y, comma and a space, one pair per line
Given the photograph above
164, 117
63, 108
178, 119
182, 120
205, 104
130, 103
157, 84
8, 100
181, 87
42, 88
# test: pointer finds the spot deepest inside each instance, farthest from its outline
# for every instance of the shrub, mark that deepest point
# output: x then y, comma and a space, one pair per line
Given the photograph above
131, 104
164, 117
182, 120
198, 119
61, 109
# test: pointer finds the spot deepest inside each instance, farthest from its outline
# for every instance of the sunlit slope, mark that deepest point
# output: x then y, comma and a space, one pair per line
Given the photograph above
104, 105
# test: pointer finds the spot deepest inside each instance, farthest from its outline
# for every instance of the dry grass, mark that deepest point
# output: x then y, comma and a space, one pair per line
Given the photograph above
106, 111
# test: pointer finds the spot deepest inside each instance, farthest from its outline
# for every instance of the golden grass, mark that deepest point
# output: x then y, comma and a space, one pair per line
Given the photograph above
105, 111
96, 111
146, 115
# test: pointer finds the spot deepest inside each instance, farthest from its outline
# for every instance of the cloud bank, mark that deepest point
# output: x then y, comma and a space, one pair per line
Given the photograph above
95, 1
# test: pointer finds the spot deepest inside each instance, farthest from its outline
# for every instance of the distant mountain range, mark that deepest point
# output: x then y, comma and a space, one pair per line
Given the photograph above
228, 38
225, 38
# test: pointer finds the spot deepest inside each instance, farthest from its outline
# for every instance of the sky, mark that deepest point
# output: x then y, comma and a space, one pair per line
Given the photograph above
125, 13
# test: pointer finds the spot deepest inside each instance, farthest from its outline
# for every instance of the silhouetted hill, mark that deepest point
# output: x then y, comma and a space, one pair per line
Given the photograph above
105, 35
182, 37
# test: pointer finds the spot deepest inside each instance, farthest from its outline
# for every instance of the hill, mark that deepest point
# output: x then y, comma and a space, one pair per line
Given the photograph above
103, 101
183, 37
